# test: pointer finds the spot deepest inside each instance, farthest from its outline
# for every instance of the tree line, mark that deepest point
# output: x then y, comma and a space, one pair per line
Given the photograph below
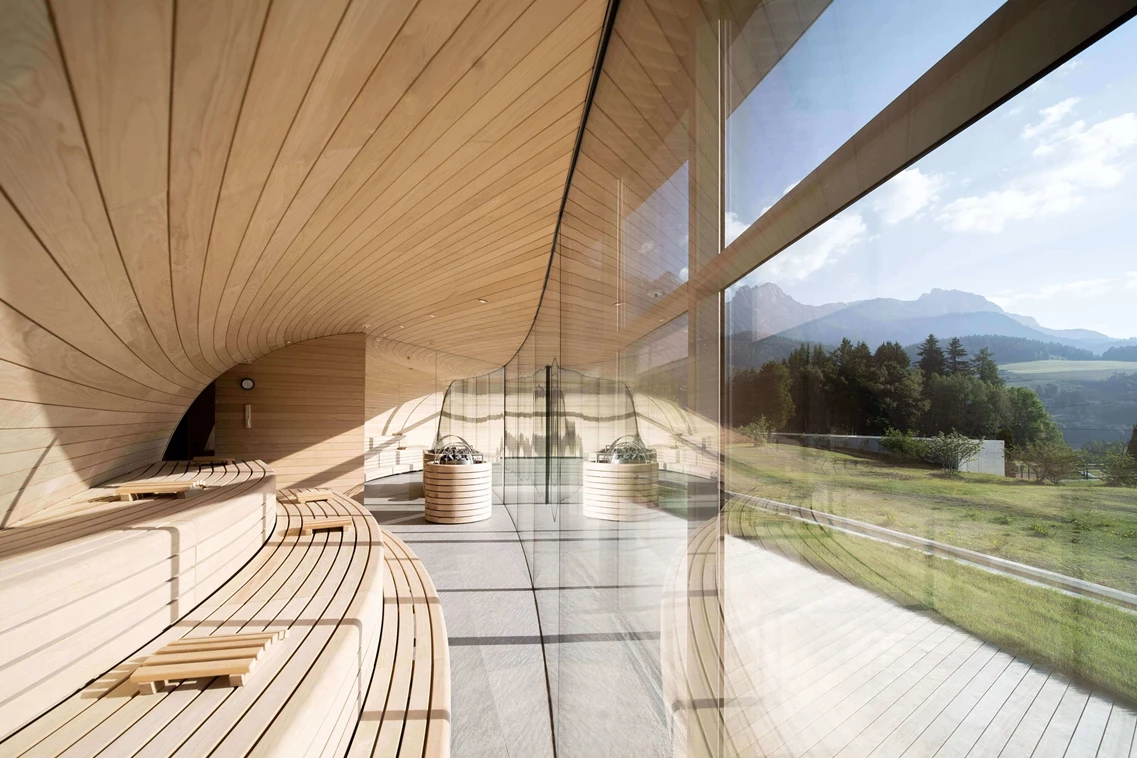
855, 390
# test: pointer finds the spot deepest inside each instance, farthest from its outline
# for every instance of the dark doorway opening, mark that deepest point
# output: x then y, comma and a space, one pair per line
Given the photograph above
192, 435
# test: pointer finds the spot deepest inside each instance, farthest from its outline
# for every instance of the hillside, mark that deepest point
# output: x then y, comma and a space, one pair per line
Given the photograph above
1121, 353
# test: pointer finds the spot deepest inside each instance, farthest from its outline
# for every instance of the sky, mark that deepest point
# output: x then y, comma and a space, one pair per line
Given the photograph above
1034, 207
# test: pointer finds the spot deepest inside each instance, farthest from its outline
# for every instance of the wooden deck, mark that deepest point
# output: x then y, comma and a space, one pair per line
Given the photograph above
812, 665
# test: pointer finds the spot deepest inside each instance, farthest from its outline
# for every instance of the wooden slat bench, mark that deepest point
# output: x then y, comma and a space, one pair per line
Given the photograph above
406, 712
324, 588
364, 669
89, 581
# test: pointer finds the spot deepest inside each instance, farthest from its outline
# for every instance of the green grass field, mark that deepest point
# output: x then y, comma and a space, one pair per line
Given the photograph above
1081, 529
1054, 371
1083, 639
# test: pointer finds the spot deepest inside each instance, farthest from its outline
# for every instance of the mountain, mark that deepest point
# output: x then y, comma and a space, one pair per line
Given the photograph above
1086, 338
766, 310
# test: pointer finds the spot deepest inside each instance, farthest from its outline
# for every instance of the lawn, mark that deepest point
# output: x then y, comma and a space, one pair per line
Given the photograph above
1058, 370
1082, 529
1083, 639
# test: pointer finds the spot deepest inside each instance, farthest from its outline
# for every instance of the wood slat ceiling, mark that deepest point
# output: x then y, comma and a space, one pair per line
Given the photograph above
189, 185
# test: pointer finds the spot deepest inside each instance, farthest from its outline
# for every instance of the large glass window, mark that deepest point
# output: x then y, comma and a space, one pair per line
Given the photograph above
933, 396
855, 59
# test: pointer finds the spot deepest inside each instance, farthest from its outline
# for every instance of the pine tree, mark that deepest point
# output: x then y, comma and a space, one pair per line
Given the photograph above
957, 362
985, 367
1132, 448
932, 361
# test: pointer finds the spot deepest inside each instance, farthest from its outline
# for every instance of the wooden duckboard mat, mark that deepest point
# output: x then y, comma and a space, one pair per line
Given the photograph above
229, 655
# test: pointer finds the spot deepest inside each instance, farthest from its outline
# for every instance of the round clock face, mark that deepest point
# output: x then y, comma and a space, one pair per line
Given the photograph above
247, 384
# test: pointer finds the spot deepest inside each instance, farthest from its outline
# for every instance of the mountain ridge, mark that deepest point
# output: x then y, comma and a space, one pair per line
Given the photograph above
765, 310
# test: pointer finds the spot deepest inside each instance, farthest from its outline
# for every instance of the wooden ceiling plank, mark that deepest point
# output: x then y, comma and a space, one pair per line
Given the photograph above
47, 174
343, 84
552, 142
514, 64
295, 39
427, 57
531, 28
34, 286
27, 344
514, 182
215, 43
475, 205
118, 56
427, 200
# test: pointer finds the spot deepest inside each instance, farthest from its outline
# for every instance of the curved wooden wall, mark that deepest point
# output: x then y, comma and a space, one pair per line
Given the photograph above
306, 413
187, 186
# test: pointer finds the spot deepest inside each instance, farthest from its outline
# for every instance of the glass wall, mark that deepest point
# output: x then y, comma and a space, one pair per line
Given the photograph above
855, 291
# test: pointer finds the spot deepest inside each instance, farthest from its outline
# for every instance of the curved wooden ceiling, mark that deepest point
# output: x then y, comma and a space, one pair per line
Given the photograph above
188, 185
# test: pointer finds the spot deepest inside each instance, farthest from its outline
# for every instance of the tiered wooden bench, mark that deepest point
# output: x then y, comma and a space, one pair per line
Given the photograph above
406, 711
86, 583
318, 692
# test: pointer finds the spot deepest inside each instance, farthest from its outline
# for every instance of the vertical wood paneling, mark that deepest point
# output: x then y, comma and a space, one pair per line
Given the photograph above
307, 413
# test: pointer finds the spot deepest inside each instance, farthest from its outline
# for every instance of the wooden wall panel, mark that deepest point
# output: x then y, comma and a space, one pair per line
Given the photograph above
307, 413
187, 185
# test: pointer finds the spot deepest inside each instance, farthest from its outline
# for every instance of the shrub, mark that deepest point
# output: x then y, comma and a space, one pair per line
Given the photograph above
904, 444
1119, 470
758, 431
1039, 529
1052, 460
950, 451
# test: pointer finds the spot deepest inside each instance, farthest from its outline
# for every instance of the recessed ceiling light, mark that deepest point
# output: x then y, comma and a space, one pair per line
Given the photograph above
432, 315
618, 302
401, 326
482, 300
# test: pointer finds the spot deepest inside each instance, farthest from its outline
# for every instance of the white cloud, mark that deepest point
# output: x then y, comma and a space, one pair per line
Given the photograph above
1050, 118
788, 188
1084, 159
1082, 288
733, 226
823, 245
907, 194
